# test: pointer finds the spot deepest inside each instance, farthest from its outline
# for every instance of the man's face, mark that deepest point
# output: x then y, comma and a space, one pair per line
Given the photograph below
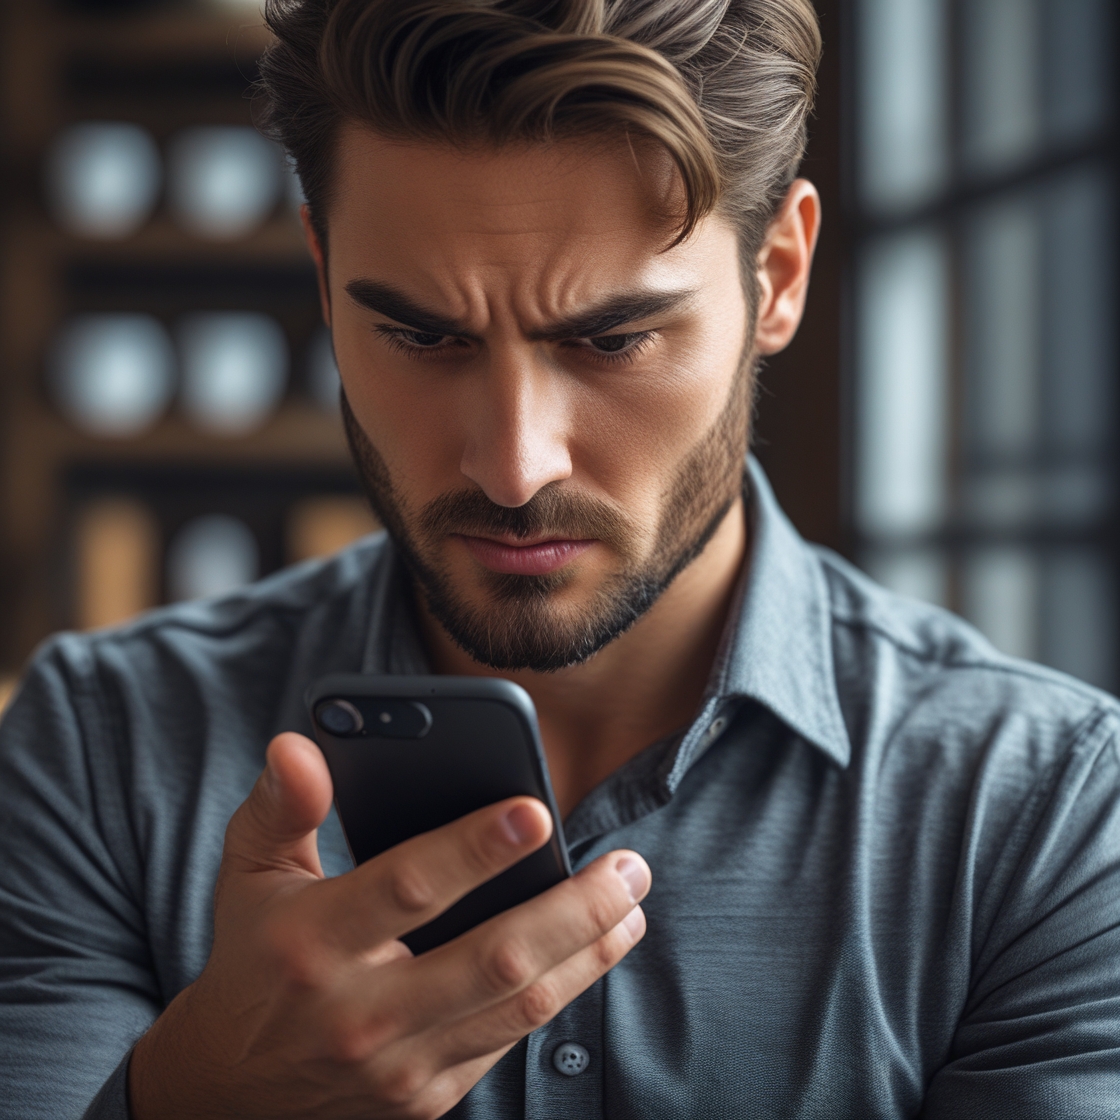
549, 410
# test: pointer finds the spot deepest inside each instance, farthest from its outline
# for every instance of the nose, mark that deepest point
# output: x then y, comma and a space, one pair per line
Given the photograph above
517, 430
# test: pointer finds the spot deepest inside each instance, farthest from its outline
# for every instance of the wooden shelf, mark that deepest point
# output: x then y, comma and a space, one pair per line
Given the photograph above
42, 46
139, 38
297, 432
278, 241
44, 444
56, 68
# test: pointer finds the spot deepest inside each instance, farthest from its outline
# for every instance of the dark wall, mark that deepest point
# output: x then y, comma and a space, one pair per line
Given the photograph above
799, 420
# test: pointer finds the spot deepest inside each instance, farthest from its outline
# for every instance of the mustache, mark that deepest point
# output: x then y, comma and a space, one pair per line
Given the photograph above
552, 512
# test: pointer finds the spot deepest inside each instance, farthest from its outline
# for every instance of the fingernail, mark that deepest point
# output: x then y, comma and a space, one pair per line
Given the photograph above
520, 824
635, 875
635, 923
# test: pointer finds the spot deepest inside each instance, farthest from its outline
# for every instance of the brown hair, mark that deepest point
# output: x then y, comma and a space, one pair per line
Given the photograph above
724, 86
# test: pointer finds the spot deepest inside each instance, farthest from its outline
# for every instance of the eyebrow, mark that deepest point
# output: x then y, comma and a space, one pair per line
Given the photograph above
616, 311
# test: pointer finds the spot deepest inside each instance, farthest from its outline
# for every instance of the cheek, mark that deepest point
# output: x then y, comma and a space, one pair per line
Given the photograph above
411, 422
635, 428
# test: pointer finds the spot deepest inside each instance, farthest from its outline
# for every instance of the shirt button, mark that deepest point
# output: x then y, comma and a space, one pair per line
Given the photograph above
570, 1058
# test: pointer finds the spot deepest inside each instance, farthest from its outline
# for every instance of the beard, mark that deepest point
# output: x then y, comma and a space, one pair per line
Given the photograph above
526, 624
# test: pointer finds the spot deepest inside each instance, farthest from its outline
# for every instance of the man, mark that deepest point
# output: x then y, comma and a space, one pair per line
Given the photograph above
835, 857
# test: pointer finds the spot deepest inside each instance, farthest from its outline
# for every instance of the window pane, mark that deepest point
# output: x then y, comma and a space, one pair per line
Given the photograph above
921, 573
903, 101
1000, 591
1003, 257
1001, 89
1079, 35
1080, 301
903, 390
1080, 616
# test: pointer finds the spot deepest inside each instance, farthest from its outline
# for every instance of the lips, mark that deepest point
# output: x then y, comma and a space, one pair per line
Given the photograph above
536, 559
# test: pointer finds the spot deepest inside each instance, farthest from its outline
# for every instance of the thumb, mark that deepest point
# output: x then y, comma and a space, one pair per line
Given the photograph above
275, 826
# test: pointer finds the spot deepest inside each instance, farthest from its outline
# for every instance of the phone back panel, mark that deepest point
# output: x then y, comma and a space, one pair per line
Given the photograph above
482, 746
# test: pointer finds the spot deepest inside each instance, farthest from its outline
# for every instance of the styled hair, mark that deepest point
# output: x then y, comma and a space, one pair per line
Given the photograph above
725, 87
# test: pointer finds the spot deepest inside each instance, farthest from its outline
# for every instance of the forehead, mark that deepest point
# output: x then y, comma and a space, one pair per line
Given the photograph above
418, 212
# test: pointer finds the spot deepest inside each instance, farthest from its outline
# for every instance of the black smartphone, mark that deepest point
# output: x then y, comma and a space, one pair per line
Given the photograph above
409, 754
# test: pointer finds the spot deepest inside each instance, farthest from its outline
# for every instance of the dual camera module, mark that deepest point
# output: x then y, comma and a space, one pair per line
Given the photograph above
382, 718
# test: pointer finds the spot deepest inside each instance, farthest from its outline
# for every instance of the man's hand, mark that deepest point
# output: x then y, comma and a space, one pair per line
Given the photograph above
310, 1006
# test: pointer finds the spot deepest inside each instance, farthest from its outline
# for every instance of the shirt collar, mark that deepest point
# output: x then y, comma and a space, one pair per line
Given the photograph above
778, 647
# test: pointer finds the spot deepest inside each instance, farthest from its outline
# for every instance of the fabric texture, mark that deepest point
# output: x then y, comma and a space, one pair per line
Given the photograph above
886, 859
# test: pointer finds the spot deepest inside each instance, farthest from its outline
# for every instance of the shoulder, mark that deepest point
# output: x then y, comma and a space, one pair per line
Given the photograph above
919, 677
239, 621
994, 776
291, 592
239, 657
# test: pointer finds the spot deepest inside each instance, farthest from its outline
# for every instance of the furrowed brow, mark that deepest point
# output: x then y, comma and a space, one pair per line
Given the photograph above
618, 311
387, 301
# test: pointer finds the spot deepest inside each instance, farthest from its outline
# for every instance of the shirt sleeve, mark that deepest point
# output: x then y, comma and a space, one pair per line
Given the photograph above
77, 987
1040, 1034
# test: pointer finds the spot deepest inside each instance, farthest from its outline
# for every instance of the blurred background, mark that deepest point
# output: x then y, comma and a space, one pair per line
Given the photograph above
946, 418
168, 399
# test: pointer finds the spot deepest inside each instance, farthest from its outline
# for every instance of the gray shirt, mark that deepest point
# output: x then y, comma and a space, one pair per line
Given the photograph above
886, 860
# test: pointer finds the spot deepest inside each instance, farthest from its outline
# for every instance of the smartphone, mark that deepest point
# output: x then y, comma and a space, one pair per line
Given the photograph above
409, 754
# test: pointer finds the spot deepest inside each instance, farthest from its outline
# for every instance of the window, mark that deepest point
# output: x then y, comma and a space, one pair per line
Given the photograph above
981, 210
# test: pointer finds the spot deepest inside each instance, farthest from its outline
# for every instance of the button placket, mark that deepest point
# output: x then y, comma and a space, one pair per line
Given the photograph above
564, 1062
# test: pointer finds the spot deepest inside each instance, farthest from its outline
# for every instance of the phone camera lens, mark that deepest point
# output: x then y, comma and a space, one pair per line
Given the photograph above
340, 717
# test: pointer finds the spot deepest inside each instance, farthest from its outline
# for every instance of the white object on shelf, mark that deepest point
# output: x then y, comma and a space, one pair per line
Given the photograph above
235, 366
113, 375
103, 178
223, 181
323, 381
211, 555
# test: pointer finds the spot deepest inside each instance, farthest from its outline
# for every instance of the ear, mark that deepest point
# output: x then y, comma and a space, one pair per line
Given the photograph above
784, 262
317, 255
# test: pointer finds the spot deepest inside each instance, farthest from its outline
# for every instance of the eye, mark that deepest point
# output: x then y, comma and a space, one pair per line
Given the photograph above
417, 344
613, 348
613, 343
422, 339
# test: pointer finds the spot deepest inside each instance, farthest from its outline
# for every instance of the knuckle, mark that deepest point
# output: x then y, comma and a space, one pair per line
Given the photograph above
507, 967
606, 953
356, 1035
481, 854
410, 888
400, 1087
602, 913
538, 1004
343, 1045
294, 955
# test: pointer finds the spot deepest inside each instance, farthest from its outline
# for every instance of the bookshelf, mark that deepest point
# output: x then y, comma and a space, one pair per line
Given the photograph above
165, 69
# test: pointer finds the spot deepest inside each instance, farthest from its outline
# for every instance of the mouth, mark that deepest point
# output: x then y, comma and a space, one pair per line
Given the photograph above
538, 558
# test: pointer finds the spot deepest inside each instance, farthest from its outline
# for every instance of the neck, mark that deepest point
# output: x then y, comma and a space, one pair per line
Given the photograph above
644, 685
